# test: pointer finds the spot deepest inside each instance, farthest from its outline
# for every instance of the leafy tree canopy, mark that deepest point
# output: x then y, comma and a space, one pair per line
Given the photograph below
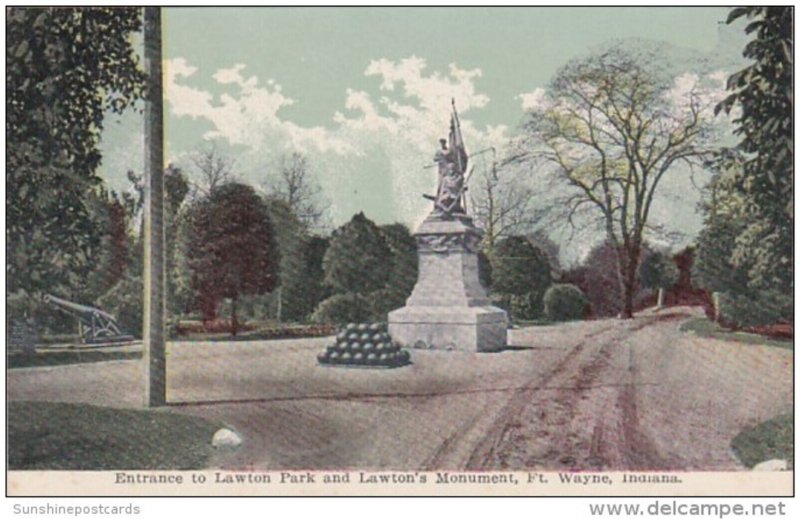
65, 68
763, 163
519, 267
231, 246
358, 259
657, 270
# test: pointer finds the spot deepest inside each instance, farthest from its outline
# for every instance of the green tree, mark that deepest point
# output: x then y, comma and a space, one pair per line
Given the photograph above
403, 267
65, 68
357, 258
314, 290
716, 268
763, 93
730, 264
232, 250
521, 274
178, 275
659, 272
612, 129
176, 189
290, 239
112, 257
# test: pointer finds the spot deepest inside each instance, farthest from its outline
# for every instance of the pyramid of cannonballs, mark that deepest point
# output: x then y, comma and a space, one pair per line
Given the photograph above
365, 345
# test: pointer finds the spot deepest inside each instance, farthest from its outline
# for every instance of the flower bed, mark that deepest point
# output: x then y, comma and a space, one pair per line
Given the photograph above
221, 330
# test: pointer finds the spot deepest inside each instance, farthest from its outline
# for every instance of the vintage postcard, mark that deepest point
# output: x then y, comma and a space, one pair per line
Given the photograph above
528, 251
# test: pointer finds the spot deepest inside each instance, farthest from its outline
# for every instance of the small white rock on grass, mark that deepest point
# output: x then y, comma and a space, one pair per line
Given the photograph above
772, 466
225, 438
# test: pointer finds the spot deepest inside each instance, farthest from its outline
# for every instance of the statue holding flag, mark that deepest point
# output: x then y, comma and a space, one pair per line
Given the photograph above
452, 162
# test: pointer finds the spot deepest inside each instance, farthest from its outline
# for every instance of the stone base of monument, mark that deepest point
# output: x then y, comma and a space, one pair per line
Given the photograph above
449, 309
445, 328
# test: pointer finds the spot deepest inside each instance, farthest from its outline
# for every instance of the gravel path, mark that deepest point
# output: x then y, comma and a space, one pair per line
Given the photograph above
594, 395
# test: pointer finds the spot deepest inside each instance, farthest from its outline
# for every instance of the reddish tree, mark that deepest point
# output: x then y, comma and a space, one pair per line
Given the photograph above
598, 278
118, 240
683, 292
231, 248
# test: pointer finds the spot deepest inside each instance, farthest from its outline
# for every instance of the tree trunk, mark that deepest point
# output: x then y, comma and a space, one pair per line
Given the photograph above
208, 307
153, 332
627, 301
234, 321
628, 288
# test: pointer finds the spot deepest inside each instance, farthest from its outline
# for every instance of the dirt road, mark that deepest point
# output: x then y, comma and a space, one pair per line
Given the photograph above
600, 395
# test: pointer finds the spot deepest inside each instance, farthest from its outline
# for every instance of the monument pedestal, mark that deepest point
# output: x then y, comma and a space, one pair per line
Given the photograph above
449, 309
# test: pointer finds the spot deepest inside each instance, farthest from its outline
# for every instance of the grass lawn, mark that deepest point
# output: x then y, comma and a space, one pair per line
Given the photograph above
59, 436
703, 327
772, 439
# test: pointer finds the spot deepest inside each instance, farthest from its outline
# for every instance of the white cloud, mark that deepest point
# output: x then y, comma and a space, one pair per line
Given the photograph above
532, 100
373, 143
433, 91
184, 100
230, 75
248, 115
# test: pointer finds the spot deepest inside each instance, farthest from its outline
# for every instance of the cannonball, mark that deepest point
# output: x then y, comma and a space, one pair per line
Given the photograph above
403, 356
368, 347
362, 327
341, 336
365, 337
351, 327
358, 358
353, 346
346, 358
322, 358
352, 336
334, 357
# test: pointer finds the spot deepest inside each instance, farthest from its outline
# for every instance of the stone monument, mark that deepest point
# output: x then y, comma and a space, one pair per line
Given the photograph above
449, 308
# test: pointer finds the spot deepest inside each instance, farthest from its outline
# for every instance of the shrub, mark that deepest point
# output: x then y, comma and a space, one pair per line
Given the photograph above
342, 308
528, 305
125, 302
764, 308
564, 302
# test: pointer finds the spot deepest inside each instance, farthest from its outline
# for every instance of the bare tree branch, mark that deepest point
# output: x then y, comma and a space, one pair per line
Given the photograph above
213, 167
294, 184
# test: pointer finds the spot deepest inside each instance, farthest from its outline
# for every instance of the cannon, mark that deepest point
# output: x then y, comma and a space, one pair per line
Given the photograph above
94, 325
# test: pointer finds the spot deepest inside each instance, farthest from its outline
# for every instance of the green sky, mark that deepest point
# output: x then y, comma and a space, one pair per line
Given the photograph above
300, 67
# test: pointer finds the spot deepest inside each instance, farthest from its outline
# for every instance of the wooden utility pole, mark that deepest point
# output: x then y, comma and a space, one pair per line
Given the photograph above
153, 333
